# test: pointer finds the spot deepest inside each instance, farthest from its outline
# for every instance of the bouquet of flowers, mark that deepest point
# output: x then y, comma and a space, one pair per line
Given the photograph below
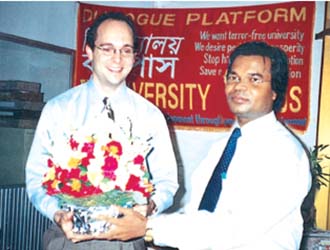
90, 171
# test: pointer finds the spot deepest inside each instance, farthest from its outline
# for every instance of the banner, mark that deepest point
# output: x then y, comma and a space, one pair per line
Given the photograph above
183, 57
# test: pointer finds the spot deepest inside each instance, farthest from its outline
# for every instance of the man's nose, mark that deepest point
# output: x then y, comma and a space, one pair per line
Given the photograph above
116, 55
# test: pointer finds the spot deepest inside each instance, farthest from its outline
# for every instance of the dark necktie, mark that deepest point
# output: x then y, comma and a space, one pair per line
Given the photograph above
107, 106
213, 189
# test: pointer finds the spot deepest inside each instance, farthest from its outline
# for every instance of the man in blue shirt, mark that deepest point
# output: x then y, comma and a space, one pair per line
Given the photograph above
111, 46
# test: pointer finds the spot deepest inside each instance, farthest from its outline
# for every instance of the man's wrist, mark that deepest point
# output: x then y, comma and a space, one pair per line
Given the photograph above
152, 208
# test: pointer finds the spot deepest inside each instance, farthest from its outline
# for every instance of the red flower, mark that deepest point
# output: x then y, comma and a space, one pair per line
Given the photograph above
61, 174
84, 178
138, 160
49, 187
67, 189
73, 143
113, 148
109, 168
88, 147
86, 160
50, 163
88, 190
74, 173
134, 185
75, 181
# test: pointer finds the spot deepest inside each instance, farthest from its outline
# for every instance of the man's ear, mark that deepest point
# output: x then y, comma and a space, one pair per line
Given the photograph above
89, 52
274, 96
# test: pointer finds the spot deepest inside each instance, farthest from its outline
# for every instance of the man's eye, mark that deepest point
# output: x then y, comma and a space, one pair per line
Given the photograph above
232, 78
127, 51
256, 80
108, 49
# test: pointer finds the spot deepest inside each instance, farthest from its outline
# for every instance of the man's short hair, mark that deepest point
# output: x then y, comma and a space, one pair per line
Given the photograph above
119, 16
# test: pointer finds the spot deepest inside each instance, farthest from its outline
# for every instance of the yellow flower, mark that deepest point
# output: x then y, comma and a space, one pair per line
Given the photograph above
54, 184
76, 185
149, 188
74, 162
113, 150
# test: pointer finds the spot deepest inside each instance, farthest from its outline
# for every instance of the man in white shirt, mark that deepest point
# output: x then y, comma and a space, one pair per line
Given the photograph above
267, 179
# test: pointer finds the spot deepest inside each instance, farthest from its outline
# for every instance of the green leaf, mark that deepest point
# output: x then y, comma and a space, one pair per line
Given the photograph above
114, 197
318, 176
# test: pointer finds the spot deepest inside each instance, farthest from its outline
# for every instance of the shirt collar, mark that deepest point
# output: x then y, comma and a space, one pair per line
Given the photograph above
96, 95
260, 124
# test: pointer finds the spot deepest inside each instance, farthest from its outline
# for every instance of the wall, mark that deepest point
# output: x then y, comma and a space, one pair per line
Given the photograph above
49, 22
55, 23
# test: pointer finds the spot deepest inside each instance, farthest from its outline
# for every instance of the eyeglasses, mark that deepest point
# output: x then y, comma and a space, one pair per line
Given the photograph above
109, 50
253, 79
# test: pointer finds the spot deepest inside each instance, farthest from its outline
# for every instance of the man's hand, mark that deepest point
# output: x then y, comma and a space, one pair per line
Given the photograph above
131, 225
64, 220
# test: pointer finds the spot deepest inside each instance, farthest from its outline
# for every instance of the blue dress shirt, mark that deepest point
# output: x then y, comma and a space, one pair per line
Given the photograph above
82, 106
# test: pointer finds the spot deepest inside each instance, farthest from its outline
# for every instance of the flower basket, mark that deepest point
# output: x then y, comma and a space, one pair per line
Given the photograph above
89, 171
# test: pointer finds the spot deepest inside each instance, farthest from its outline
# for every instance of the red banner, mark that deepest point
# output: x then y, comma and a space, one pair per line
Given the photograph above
184, 54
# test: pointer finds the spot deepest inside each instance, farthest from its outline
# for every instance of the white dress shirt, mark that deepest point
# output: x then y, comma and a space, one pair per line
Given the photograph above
81, 107
259, 206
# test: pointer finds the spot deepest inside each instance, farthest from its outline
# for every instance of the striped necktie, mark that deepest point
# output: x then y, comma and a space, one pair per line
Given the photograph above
213, 189
108, 108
